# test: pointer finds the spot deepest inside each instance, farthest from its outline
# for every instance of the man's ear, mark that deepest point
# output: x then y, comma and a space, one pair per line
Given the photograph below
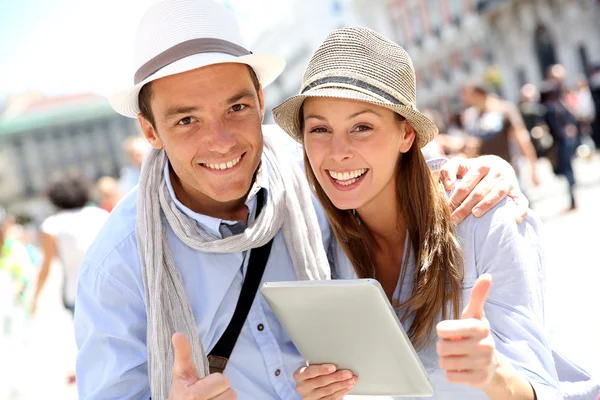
409, 137
150, 132
261, 101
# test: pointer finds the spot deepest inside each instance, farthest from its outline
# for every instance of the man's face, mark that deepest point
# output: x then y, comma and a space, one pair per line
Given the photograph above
208, 120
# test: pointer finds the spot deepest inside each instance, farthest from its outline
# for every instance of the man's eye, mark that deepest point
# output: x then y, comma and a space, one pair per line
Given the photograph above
186, 121
237, 107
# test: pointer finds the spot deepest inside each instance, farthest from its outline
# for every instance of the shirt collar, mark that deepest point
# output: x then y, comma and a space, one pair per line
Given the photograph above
211, 224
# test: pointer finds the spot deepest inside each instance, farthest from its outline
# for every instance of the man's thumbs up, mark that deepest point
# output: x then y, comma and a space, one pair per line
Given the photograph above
479, 294
187, 383
183, 367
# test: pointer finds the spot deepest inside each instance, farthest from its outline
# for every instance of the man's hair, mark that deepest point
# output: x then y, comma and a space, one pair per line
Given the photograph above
145, 97
69, 190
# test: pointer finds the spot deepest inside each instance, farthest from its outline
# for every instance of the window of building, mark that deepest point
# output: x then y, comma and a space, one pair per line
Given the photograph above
455, 9
417, 24
399, 26
435, 15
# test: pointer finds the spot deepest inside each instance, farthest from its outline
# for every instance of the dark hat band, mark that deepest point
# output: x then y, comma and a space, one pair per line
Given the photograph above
185, 49
353, 82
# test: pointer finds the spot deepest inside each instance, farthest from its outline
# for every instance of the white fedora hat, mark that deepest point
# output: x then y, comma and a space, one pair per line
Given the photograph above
176, 36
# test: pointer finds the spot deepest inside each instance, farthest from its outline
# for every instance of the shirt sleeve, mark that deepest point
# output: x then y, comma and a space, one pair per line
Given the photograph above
513, 255
110, 330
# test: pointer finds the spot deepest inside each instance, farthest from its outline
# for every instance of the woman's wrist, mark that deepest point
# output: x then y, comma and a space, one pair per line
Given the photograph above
507, 383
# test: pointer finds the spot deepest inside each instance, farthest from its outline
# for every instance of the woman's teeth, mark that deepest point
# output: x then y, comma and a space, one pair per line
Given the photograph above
347, 178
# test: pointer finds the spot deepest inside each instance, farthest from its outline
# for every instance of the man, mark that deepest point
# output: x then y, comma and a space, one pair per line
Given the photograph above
498, 126
175, 254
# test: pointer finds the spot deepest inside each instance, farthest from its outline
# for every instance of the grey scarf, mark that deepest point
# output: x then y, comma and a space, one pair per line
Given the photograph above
288, 208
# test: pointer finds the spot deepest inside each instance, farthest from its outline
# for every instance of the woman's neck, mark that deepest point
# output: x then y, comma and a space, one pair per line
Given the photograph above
383, 219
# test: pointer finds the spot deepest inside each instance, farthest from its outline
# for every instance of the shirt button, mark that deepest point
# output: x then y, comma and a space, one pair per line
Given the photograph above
260, 327
278, 372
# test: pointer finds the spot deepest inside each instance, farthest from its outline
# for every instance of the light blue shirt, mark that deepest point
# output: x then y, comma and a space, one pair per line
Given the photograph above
513, 255
110, 317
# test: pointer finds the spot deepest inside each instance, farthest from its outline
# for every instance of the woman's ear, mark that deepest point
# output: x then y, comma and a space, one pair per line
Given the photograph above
408, 138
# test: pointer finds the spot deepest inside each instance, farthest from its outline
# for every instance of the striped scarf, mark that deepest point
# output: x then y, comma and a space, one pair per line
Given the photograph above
288, 208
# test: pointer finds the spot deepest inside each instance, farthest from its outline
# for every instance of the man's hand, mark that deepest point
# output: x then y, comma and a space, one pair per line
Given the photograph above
187, 383
485, 181
323, 382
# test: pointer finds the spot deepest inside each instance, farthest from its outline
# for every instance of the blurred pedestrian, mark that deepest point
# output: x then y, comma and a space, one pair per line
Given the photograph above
498, 126
595, 92
135, 149
16, 271
533, 114
108, 192
68, 233
562, 125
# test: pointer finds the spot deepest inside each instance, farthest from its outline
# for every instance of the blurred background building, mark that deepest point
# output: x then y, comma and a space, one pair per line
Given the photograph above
507, 42
40, 137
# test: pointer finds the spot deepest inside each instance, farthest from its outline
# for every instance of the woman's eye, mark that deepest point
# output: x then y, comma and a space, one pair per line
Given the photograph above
185, 121
318, 130
237, 107
363, 128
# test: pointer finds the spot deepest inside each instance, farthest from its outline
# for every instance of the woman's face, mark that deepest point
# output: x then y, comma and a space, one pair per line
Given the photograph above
353, 148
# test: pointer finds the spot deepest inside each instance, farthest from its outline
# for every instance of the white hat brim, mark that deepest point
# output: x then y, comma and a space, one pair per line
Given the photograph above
266, 67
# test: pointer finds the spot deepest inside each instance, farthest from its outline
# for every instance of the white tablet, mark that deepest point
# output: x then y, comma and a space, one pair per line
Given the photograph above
350, 323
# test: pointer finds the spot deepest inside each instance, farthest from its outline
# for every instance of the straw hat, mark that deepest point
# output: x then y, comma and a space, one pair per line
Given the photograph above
359, 64
176, 36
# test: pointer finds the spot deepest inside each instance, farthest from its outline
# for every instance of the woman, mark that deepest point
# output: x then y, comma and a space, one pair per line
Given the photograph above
362, 136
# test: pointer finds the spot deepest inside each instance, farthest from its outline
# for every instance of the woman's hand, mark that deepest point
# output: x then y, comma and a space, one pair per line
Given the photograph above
466, 347
323, 382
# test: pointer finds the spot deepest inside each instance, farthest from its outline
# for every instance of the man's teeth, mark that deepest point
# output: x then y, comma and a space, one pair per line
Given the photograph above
343, 177
227, 165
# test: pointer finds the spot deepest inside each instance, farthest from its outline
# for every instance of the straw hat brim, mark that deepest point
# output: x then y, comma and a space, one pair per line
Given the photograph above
287, 114
267, 68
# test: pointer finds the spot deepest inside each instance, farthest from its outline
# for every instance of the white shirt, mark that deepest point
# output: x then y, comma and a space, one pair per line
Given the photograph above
73, 232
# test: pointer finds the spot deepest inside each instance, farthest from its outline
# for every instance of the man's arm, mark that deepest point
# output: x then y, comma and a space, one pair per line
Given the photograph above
110, 330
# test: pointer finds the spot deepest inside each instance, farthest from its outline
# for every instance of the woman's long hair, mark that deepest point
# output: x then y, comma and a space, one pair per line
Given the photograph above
437, 282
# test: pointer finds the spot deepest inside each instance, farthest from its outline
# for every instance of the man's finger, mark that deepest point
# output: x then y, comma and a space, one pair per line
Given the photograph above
479, 294
521, 202
183, 366
495, 191
466, 186
454, 169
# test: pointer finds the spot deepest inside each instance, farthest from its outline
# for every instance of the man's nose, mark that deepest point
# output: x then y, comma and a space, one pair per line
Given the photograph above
221, 140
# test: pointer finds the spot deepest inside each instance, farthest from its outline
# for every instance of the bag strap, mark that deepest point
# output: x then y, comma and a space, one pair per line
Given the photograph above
219, 356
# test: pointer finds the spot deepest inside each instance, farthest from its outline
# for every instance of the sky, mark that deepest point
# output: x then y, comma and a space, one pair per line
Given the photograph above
73, 46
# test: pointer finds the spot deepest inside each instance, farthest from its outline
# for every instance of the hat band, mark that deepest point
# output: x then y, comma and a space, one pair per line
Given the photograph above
353, 82
188, 48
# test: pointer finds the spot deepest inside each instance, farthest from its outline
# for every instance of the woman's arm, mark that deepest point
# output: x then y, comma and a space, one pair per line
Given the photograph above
504, 343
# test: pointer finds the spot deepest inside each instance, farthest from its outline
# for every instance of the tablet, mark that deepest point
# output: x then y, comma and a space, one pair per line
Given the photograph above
350, 323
